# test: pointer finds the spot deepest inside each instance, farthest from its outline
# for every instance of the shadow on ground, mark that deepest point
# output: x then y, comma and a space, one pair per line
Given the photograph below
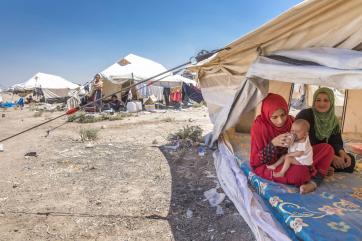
190, 215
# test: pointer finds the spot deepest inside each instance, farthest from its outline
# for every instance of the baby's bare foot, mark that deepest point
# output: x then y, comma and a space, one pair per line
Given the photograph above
271, 167
278, 174
307, 188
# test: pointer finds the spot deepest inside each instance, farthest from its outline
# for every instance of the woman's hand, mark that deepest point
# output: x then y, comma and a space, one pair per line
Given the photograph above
338, 162
345, 157
281, 140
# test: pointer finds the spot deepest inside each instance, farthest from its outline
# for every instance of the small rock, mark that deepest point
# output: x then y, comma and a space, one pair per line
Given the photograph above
103, 127
89, 145
31, 153
154, 141
98, 203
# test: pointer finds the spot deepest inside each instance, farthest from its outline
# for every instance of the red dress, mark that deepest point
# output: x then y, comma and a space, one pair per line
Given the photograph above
264, 153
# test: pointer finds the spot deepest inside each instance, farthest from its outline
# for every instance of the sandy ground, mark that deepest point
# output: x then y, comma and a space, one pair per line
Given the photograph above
124, 186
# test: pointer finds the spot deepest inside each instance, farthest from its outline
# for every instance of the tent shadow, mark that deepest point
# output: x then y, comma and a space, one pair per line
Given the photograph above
190, 215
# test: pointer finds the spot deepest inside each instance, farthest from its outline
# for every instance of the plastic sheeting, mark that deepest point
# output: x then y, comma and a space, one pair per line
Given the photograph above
235, 185
338, 68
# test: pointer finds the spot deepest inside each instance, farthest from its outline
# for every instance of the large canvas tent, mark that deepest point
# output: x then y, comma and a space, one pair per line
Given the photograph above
127, 70
315, 23
52, 86
317, 42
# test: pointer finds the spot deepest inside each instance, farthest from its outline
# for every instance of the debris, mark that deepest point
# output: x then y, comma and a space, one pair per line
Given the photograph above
89, 145
209, 174
154, 142
31, 153
201, 151
189, 213
214, 197
219, 210
1, 147
2, 115
103, 127
175, 147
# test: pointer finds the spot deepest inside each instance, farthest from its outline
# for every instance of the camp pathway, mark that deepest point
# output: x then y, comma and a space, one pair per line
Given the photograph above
124, 186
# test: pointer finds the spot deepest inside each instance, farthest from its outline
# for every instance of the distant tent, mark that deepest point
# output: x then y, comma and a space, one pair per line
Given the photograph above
52, 86
174, 80
131, 68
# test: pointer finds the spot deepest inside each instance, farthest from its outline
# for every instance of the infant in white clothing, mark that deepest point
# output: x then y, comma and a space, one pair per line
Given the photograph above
300, 152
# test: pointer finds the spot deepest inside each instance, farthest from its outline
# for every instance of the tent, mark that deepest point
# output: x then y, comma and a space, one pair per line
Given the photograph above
129, 69
52, 86
317, 42
173, 80
309, 24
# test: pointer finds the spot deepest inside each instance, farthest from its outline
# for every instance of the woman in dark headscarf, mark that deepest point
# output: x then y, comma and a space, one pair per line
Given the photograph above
269, 135
324, 128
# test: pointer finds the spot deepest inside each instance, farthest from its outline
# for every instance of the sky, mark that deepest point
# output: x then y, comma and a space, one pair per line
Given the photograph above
76, 39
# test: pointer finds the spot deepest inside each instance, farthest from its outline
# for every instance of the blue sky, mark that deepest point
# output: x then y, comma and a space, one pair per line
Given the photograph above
78, 38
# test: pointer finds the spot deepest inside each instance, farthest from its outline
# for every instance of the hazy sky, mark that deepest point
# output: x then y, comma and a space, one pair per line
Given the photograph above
78, 38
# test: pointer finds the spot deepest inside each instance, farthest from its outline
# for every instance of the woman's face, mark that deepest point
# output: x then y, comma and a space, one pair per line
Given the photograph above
278, 118
322, 103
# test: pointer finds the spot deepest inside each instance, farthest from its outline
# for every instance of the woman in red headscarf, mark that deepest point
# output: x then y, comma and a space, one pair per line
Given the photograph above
269, 135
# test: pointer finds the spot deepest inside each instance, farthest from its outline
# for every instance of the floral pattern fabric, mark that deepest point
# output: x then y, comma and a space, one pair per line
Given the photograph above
332, 212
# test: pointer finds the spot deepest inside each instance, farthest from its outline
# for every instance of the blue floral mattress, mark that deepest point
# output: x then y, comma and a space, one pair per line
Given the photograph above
332, 212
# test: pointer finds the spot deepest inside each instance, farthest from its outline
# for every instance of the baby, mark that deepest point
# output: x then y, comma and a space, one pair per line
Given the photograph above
300, 152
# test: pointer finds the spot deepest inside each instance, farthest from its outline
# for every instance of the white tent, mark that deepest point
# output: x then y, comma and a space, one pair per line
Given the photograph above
317, 42
174, 80
53, 86
132, 68
48, 81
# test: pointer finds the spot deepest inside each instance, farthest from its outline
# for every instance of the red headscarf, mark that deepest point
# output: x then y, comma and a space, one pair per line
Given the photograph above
263, 130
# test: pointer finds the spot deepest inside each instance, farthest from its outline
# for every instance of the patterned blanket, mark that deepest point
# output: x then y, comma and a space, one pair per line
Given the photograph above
332, 212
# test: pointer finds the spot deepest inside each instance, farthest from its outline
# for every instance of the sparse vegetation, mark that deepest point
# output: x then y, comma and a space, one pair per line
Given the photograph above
187, 135
84, 118
90, 134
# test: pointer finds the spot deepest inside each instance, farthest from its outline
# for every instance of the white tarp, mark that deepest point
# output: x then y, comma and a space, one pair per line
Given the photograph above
337, 68
235, 185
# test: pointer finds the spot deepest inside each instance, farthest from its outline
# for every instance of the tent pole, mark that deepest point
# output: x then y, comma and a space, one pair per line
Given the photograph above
345, 103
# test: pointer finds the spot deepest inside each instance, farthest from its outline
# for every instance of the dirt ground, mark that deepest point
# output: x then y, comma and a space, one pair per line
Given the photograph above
126, 185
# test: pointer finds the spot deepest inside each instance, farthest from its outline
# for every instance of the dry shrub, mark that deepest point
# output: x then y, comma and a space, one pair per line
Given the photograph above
187, 135
90, 134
